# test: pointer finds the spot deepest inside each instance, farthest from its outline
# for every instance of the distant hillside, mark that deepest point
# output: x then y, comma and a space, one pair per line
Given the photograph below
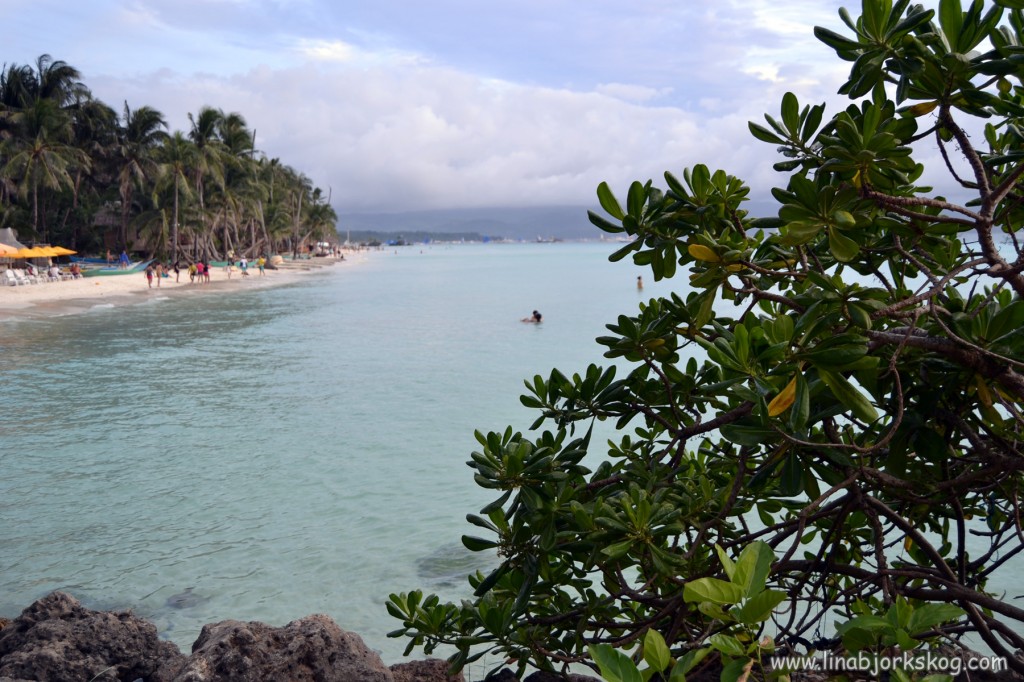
551, 222
561, 222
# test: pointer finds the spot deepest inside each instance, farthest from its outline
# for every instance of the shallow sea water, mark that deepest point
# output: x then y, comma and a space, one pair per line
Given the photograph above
282, 451
272, 453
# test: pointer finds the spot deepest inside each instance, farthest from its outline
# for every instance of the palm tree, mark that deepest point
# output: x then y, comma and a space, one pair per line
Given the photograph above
140, 134
177, 157
39, 156
36, 129
209, 162
95, 128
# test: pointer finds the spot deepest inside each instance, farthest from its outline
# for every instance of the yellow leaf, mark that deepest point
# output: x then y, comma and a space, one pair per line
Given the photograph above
923, 108
701, 252
984, 395
784, 400
908, 543
735, 267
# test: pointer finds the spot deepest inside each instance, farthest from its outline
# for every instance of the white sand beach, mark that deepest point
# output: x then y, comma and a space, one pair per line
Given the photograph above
72, 296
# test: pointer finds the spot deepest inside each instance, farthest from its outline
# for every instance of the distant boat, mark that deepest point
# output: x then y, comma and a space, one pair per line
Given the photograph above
102, 272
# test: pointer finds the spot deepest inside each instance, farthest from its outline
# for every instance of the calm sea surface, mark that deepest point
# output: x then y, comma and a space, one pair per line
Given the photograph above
272, 453
280, 452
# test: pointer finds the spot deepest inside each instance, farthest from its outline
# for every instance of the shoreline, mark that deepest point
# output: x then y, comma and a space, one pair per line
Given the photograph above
80, 296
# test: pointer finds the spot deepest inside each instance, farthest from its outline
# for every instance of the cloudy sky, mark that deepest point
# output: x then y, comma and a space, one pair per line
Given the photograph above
412, 104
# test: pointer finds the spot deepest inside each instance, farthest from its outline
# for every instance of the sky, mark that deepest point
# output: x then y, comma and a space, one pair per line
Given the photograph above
396, 105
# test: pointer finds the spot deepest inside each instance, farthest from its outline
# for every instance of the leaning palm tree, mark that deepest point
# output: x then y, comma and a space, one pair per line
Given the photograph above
140, 134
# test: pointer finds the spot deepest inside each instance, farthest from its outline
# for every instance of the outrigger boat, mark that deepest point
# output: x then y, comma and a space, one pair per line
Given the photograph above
117, 270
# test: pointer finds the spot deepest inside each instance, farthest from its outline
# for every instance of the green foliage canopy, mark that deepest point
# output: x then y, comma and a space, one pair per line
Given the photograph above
852, 398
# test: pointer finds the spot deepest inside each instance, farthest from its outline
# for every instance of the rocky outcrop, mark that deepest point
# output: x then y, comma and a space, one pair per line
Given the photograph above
312, 648
58, 639
430, 670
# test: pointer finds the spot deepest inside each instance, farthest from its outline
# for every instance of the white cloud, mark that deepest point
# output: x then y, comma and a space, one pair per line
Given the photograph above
326, 51
503, 103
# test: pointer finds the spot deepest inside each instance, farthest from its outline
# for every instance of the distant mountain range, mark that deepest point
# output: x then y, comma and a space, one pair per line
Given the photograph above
528, 224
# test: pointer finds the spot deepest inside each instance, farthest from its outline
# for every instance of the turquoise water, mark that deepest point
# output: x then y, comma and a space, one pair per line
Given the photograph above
282, 451
279, 452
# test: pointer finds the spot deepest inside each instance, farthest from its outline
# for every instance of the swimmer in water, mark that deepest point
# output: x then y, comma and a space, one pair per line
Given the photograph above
534, 318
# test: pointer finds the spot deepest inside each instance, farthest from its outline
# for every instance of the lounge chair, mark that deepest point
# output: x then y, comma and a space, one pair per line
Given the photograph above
25, 277
10, 279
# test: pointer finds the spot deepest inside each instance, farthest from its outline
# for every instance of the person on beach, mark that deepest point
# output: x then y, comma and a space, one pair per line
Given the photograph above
229, 267
110, 258
76, 272
149, 275
177, 272
534, 318
243, 265
123, 260
192, 273
159, 273
206, 271
260, 263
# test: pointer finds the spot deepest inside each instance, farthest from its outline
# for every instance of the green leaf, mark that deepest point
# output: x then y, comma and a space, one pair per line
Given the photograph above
849, 396
635, 200
735, 670
758, 608
656, 653
791, 113
763, 134
728, 564
618, 550
753, 567
688, 662
929, 615
608, 201
475, 544
842, 247
712, 590
615, 666
728, 645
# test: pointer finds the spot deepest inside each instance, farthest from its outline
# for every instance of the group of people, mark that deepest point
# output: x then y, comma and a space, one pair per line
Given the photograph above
199, 271
53, 272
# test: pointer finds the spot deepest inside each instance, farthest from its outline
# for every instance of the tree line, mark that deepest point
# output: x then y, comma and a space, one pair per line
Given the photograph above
76, 172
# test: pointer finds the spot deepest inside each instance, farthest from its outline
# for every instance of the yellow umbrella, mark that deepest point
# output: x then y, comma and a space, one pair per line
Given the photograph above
34, 252
6, 251
61, 251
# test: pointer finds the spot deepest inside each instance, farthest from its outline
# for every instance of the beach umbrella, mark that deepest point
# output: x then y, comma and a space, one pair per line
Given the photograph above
7, 251
34, 252
61, 251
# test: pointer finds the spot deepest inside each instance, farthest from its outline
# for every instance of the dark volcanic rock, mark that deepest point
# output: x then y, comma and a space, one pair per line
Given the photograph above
430, 670
312, 649
57, 639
